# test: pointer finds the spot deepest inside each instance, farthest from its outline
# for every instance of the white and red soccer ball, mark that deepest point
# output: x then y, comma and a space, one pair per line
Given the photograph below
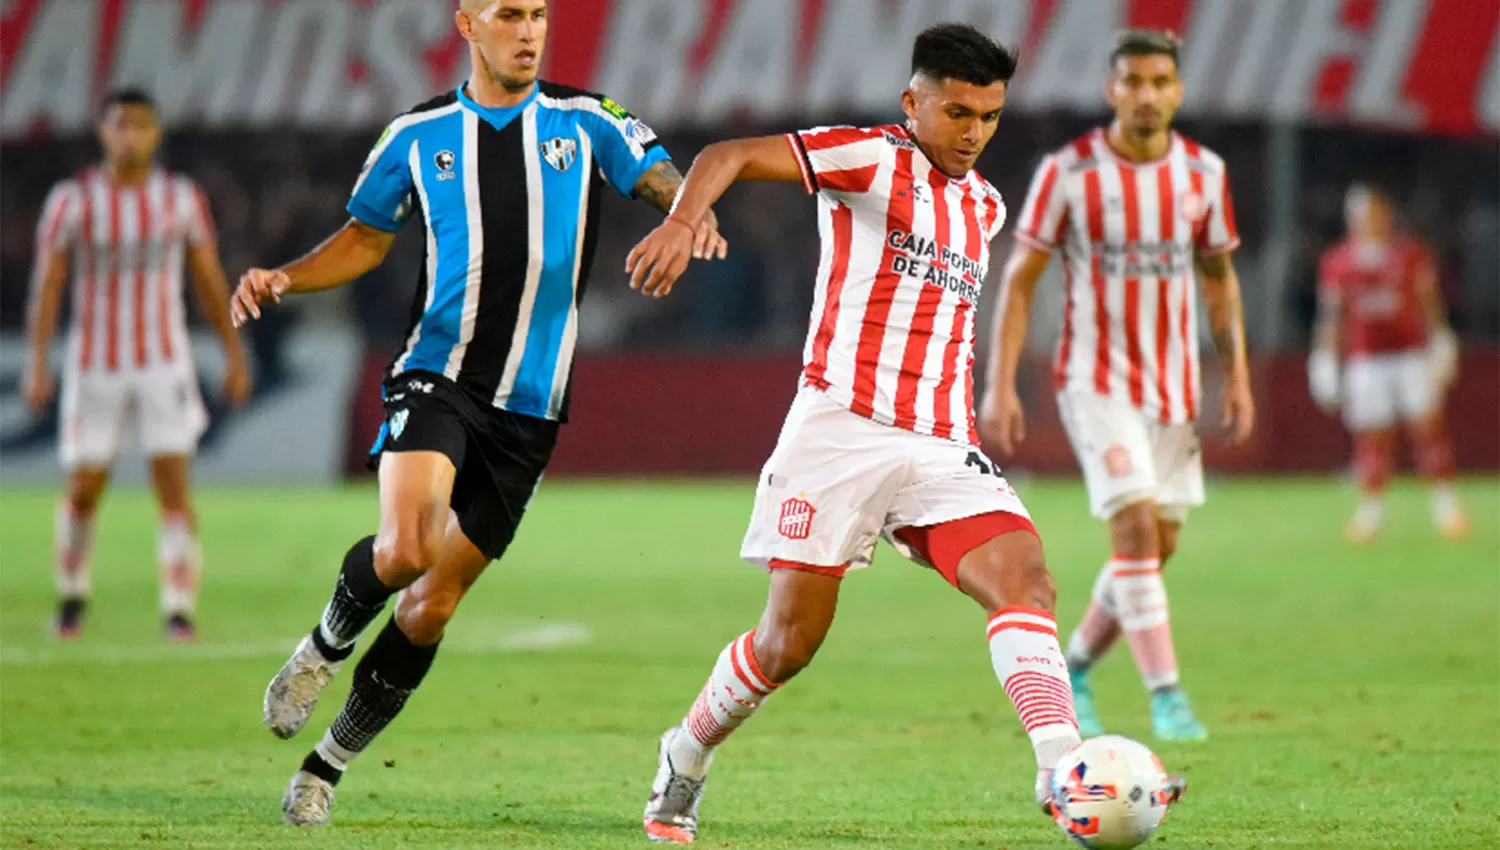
1110, 793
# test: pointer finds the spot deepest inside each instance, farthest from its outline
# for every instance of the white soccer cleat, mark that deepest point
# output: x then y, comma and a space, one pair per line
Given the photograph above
293, 694
307, 800
671, 815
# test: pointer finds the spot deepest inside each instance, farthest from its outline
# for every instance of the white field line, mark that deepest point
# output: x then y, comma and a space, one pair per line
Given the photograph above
530, 639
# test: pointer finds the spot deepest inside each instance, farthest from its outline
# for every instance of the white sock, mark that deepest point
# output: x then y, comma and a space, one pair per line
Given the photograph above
734, 690
181, 562
1029, 663
1444, 501
1371, 512
72, 541
329, 750
1143, 615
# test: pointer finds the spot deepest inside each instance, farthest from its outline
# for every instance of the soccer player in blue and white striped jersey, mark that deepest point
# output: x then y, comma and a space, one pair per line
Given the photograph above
505, 173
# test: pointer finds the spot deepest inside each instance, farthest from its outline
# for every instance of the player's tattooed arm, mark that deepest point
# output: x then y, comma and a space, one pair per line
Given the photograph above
659, 187
1226, 320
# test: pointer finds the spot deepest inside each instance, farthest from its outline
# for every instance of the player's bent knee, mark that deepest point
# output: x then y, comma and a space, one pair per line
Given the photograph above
784, 650
422, 617
1008, 570
404, 556
1133, 530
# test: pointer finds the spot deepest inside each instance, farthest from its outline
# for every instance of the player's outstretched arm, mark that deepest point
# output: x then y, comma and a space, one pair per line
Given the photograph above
211, 286
1226, 320
1002, 421
355, 249
656, 263
41, 325
659, 186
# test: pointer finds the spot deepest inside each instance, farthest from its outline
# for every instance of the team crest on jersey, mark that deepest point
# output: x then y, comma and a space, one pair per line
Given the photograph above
398, 423
560, 152
1193, 207
796, 519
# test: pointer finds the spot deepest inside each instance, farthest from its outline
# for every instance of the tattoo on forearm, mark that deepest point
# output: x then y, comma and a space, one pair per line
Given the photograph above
1225, 314
658, 186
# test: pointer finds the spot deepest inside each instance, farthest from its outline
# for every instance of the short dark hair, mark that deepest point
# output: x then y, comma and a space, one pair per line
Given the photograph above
1145, 42
127, 97
961, 52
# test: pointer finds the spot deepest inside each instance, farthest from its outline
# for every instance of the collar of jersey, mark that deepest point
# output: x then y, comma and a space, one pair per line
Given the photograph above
499, 117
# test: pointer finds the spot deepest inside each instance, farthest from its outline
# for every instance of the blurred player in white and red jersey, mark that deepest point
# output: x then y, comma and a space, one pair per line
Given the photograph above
1133, 208
880, 440
121, 230
1381, 313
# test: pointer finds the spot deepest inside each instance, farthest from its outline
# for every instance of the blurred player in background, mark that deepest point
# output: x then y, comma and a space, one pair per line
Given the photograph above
1381, 314
880, 440
1134, 207
505, 173
122, 229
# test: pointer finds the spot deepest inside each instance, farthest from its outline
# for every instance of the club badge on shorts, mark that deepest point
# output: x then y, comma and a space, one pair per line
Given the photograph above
796, 519
1117, 461
398, 423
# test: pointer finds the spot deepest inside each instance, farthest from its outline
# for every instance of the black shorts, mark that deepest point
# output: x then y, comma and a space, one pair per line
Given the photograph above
499, 455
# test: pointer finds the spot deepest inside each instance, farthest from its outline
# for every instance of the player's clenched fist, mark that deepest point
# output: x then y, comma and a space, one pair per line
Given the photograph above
1002, 420
256, 285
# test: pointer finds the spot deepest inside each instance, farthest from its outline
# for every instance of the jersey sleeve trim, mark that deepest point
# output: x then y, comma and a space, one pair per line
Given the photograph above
799, 152
1034, 243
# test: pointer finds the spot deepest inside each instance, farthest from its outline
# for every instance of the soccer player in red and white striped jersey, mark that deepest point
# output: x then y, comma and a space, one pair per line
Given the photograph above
121, 231
881, 439
1133, 209
1381, 314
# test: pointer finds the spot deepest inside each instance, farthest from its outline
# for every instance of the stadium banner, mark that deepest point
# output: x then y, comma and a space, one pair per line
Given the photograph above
293, 432
1429, 66
660, 414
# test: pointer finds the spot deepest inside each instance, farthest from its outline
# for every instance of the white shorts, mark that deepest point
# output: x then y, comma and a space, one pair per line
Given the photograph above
1128, 458
837, 482
1381, 390
101, 411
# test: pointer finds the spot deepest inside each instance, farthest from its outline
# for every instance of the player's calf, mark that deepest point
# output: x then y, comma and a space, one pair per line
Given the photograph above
1008, 575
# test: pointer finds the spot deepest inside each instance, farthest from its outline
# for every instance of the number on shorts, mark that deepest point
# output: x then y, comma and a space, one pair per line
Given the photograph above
977, 461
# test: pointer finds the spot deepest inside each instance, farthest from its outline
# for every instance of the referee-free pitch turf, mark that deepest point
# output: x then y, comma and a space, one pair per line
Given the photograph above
1352, 695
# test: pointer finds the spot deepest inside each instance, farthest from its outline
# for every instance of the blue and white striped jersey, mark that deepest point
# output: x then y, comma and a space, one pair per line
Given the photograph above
507, 196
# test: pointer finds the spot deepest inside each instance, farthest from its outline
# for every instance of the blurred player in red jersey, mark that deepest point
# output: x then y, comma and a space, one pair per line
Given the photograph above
122, 230
1380, 312
1133, 209
880, 440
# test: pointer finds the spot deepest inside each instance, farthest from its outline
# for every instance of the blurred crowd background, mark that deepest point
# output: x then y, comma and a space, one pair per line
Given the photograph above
277, 170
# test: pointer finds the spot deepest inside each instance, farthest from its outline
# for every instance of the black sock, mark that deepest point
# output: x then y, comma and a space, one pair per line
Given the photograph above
315, 765
391, 669
358, 597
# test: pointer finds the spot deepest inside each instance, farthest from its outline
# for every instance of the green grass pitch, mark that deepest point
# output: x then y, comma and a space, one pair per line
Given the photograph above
1353, 696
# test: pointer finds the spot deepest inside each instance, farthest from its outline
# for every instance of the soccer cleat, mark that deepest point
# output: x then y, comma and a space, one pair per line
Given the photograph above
1176, 788
1083, 705
68, 624
307, 800
293, 694
181, 630
671, 815
1450, 520
1044, 792
1172, 717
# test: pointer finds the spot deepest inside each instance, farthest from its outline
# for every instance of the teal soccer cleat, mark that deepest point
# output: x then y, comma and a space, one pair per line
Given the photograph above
1172, 717
1083, 705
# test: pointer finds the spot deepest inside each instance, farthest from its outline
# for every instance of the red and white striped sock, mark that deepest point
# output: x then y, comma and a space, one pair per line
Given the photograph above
1030, 665
733, 692
1141, 598
73, 539
1099, 629
181, 561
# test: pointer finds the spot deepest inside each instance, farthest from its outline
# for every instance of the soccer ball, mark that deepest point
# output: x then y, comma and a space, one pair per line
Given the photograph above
1110, 793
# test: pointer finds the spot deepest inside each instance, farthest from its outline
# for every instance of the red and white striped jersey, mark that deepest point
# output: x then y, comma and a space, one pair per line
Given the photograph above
1129, 233
905, 250
126, 246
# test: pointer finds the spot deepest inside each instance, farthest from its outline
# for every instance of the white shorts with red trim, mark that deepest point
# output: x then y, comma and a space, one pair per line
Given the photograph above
1381, 390
837, 482
101, 410
1127, 457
